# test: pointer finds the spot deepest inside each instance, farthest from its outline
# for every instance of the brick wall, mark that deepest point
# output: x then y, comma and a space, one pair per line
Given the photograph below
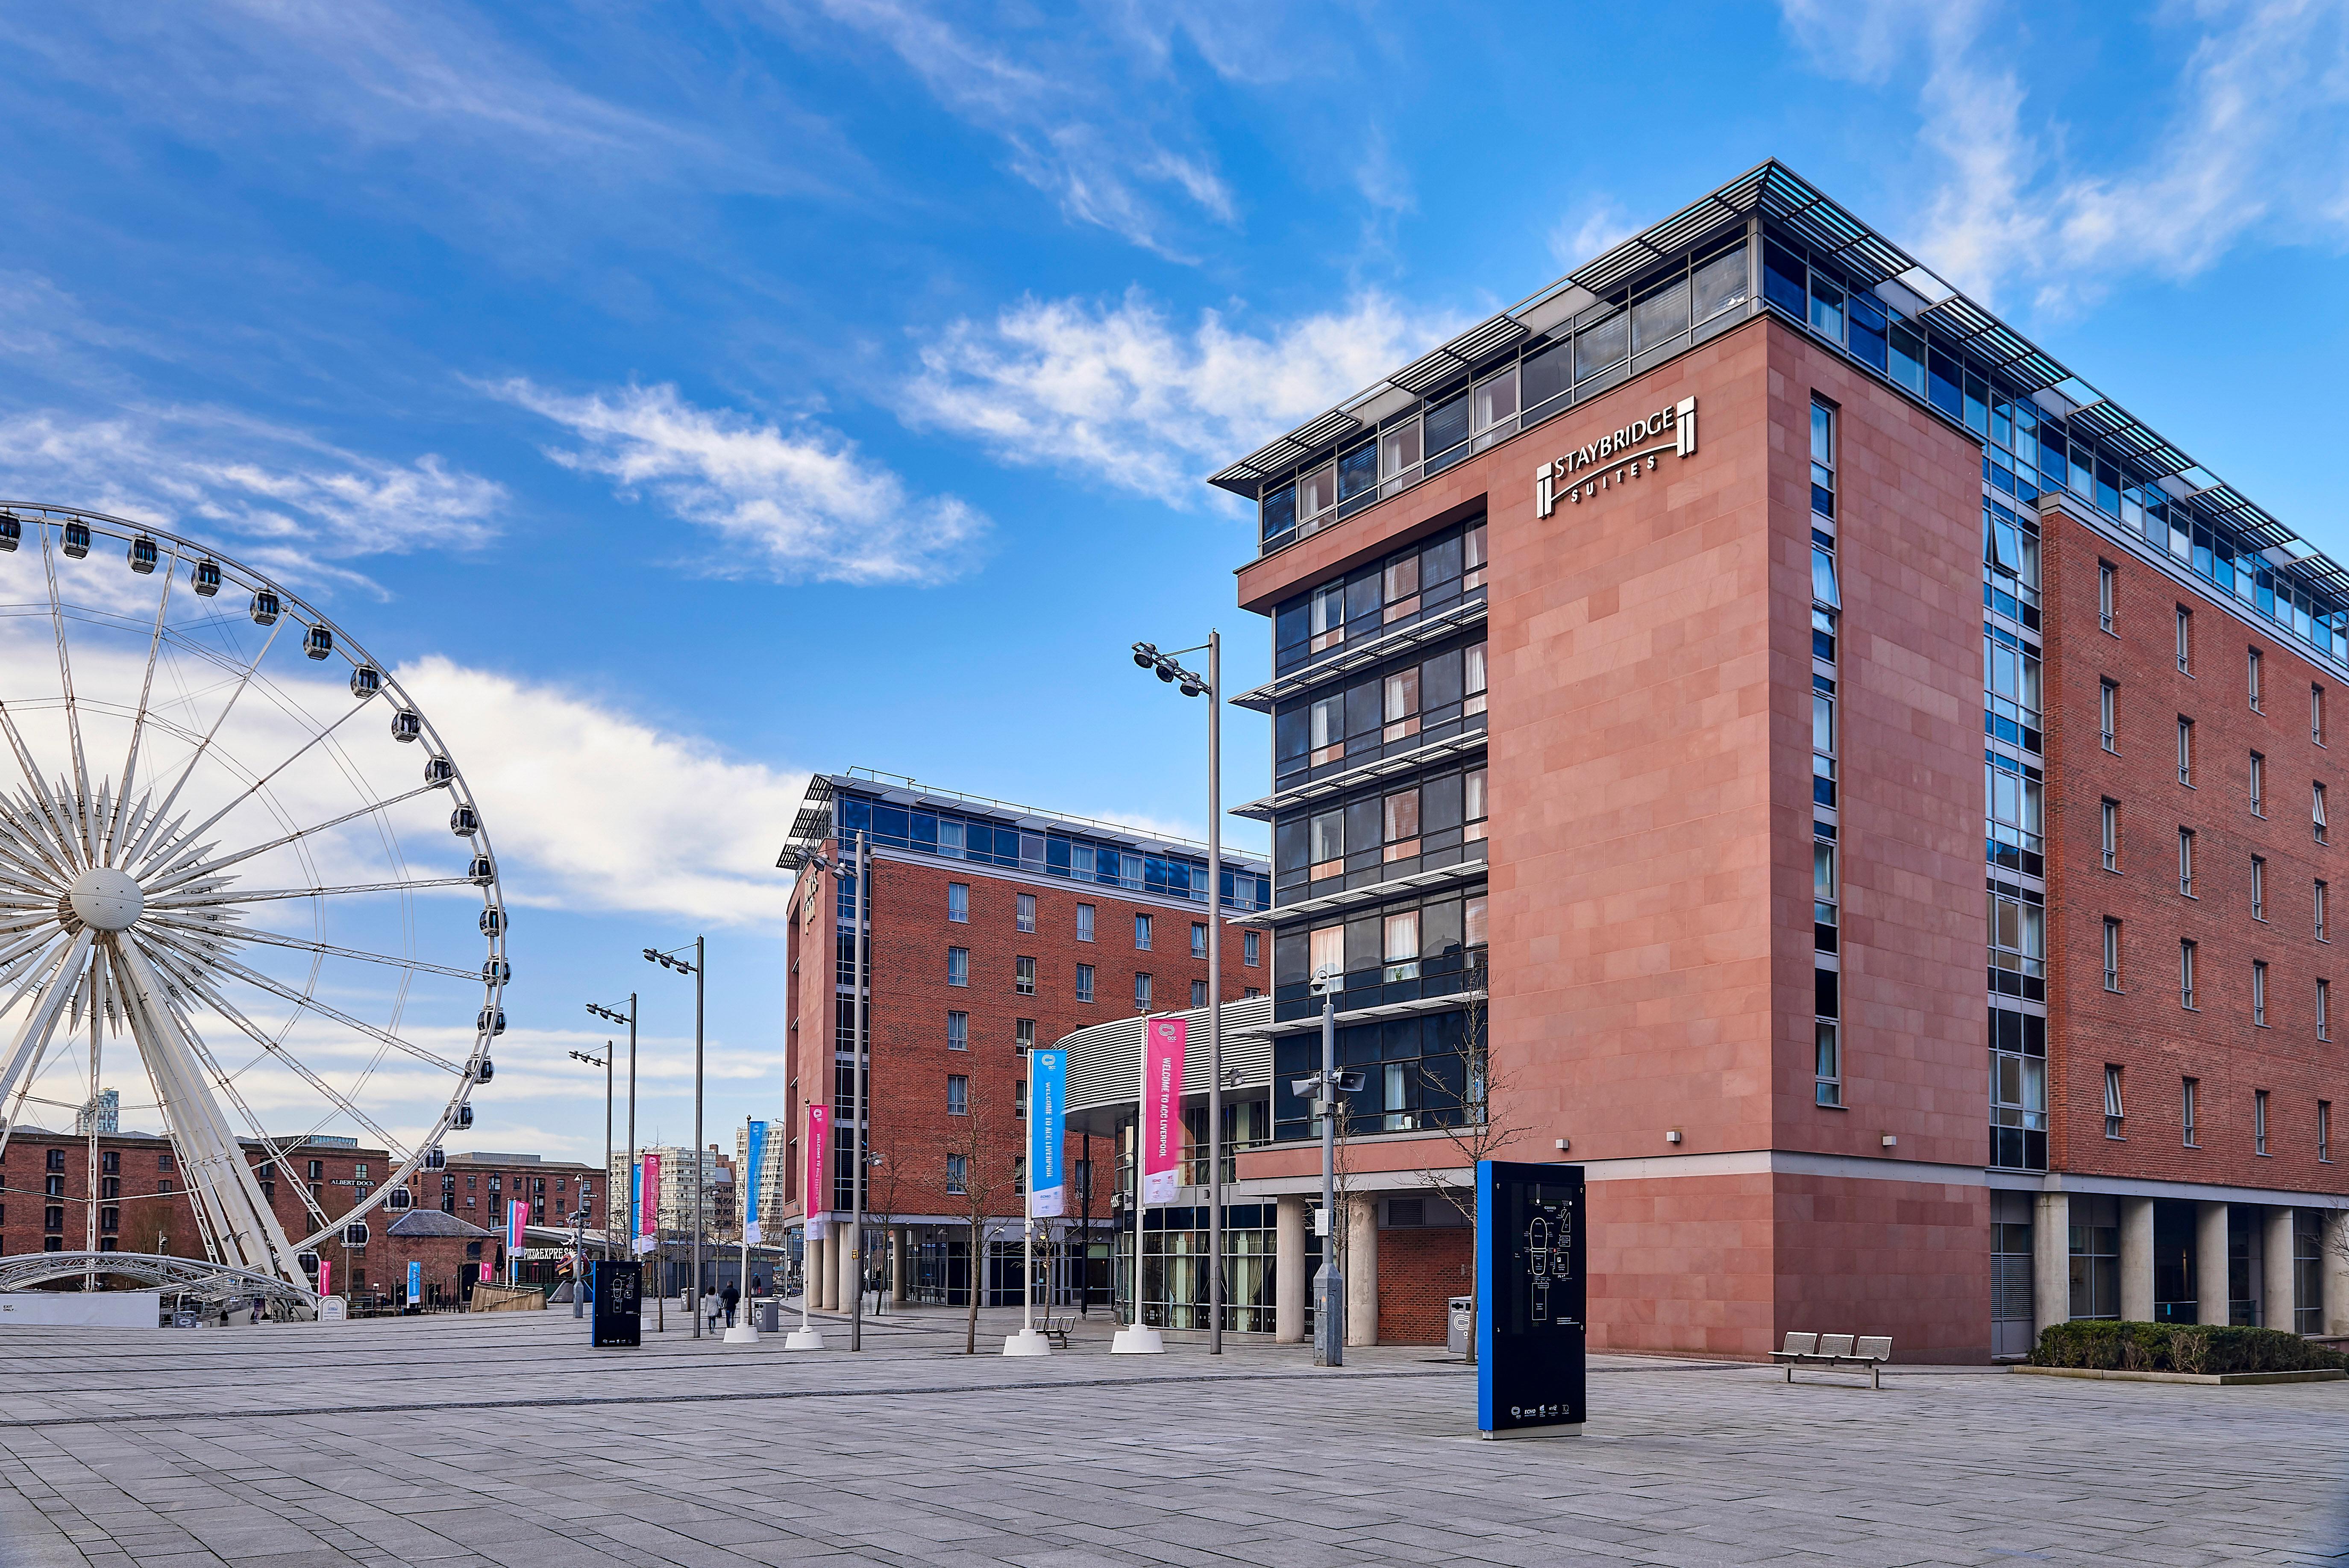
1420, 1270
2144, 1030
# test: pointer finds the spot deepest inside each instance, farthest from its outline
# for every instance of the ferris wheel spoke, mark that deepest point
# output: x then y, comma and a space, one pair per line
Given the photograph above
249, 791
65, 677
116, 827
225, 895
38, 791
247, 1233
284, 992
221, 862
187, 770
31, 1040
301, 944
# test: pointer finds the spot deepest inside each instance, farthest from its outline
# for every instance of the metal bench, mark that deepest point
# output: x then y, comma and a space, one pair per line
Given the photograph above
1837, 1352
1056, 1329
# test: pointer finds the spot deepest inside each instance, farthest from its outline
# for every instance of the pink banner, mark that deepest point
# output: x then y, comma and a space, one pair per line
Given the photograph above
649, 1224
485, 1271
819, 1170
1161, 1108
517, 1215
326, 1276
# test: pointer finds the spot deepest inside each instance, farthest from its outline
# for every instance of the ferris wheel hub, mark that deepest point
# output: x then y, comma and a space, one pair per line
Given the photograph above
105, 898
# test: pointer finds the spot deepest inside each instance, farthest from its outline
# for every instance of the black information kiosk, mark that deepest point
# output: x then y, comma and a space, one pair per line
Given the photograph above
618, 1290
1531, 1296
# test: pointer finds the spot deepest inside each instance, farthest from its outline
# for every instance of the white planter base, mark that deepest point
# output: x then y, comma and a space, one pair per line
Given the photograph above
803, 1339
742, 1333
1139, 1341
1027, 1342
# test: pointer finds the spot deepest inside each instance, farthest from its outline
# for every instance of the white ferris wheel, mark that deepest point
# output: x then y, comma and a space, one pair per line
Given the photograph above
229, 894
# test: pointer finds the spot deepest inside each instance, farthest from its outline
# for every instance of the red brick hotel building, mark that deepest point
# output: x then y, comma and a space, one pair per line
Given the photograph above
1875, 787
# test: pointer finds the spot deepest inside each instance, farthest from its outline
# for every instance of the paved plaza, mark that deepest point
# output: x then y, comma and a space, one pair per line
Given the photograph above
506, 1439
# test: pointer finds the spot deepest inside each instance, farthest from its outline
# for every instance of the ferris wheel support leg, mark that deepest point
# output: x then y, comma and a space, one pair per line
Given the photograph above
248, 1229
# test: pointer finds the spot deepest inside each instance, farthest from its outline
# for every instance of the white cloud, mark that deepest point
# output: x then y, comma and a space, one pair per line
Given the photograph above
294, 503
599, 811
1124, 394
804, 502
1600, 226
2259, 140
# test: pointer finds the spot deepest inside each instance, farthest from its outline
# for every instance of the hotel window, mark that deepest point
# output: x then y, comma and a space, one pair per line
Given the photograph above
1400, 945
1472, 687
2259, 888
1495, 408
2317, 809
2320, 893
1823, 634
2113, 1113
2254, 680
1142, 990
1823, 456
1328, 617
2324, 1131
2012, 688
1401, 815
1472, 559
1824, 590
2188, 1093
2014, 793
1199, 993
1084, 982
1141, 933
958, 902
2108, 712
2111, 831
2186, 974
958, 1173
2185, 639
1400, 585
1823, 740
2259, 780
2112, 954
2185, 751
1327, 735
1326, 846
2186, 861
1023, 976
1823, 901
1472, 805
1826, 1062
1399, 454
957, 965
2018, 1089
2259, 994
2018, 942
1025, 918
2325, 1009
1252, 948
958, 1095
1085, 923
2107, 585
2258, 1121
1400, 704
2316, 713
1199, 939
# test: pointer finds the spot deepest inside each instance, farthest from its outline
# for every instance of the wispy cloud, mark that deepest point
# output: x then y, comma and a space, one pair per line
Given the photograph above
1596, 228
807, 504
1125, 395
295, 505
2257, 139
1077, 122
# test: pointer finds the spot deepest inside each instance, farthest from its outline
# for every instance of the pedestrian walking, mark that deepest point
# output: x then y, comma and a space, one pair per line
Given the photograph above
733, 1294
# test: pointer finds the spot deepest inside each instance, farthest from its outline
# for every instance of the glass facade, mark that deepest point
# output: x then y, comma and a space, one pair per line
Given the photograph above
1174, 1273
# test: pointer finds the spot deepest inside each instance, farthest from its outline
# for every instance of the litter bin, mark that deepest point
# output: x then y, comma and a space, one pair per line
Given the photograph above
1460, 1323
770, 1314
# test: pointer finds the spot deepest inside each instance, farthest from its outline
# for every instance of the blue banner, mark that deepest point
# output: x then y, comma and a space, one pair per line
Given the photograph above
1047, 1088
751, 1178
415, 1283
635, 1195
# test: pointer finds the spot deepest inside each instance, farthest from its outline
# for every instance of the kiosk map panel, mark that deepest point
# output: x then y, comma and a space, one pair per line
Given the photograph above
1531, 1297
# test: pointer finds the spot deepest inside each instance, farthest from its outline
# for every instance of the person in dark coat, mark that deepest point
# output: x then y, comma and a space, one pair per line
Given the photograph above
732, 1295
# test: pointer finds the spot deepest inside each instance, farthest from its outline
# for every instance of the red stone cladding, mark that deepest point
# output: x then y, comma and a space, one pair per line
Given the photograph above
911, 1062
1421, 1269
2145, 1030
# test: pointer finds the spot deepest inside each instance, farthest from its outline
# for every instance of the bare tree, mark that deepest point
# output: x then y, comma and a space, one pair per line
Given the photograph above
1481, 1131
987, 1183
884, 1174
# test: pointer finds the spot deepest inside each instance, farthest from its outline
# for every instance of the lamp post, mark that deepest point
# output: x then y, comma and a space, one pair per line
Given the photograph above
613, 1016
1147, 655
857, 1132
671, 961
1324, 1088
604, 1061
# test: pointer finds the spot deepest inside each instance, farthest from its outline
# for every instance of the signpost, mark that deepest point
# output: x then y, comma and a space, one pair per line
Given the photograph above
618, 1288
1047, 1194
1158, 1163
1532, 1296
818, 1175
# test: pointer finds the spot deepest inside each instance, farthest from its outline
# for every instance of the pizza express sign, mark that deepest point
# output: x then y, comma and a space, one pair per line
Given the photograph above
1628, 453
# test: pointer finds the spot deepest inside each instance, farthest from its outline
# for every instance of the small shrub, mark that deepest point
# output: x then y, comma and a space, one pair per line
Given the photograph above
2179, 1348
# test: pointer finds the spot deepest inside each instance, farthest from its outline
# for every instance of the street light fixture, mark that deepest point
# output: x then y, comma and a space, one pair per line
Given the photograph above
858, 1159
604, 1061
671, 961
1210, 685
613, 1016
1324, 1089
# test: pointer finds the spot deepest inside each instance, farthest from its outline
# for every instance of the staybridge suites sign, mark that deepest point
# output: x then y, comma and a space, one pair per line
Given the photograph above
1617, 459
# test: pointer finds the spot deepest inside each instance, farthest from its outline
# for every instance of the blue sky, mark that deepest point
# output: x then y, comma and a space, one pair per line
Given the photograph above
688, 398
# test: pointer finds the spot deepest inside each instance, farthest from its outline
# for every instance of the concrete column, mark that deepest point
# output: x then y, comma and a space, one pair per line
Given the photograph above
1361, 1271
1290, 1288
2332, 1267
2051, 1261
2275, 1271
820, 1278
2137, 1259
844, 1261
2210, 1264
898, 1268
